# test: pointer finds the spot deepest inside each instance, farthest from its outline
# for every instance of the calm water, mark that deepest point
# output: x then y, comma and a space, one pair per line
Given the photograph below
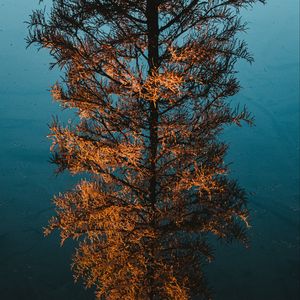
266, 162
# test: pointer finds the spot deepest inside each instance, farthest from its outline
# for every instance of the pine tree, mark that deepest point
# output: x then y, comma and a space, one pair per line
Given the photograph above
149, 81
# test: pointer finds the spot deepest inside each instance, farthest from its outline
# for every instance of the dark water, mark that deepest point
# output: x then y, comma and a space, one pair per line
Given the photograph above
266, 162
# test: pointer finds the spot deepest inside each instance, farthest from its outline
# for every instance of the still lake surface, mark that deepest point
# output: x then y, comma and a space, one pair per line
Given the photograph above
265, 161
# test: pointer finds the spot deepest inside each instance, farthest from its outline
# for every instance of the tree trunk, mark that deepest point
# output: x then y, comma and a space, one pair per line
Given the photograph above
152, 25
153, 31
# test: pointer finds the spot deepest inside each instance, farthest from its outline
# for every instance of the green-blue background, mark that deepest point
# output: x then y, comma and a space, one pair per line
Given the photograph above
265, 161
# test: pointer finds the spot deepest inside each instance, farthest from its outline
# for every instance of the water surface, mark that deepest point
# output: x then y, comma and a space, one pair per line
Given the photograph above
265, 161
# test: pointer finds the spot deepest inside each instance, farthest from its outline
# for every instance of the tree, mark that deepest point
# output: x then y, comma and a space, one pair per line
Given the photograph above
150, 82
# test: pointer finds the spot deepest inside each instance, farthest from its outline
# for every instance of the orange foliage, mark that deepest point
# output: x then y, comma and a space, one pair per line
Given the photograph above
149, 81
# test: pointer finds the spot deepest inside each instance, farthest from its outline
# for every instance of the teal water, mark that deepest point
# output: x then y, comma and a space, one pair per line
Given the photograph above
265, 161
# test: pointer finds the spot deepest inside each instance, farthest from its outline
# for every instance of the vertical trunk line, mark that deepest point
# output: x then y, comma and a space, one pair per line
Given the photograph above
153, 31
153, 59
